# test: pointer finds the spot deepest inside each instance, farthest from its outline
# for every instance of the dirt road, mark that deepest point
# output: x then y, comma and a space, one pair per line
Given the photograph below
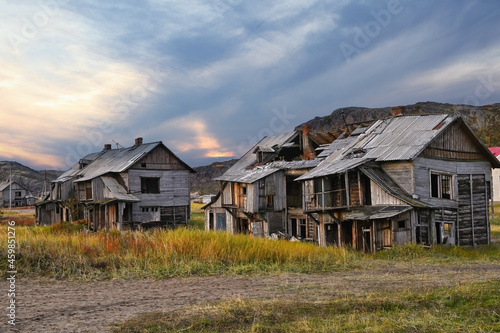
62, 306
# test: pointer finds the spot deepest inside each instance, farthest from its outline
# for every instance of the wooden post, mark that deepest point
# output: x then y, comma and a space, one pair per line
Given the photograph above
472, 210
347, 192
486, 190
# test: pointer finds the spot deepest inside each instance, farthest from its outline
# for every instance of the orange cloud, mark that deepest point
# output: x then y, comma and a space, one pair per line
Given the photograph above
216, 154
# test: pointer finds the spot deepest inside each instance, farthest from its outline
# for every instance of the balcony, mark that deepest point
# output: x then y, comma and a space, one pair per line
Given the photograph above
333, 199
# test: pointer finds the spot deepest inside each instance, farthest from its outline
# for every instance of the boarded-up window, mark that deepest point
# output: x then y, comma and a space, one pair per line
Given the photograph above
150, 185
88, 191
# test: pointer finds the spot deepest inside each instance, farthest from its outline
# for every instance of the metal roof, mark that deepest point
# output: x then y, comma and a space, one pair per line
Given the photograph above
118, 191
246, 169
115, 160
376, 212
383, 180
392, 139
495, 151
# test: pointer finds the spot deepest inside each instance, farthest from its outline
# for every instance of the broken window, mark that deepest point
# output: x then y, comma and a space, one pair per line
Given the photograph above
150, 185
441, 186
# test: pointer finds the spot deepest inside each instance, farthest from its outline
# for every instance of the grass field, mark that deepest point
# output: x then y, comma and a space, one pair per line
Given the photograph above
63, 252
197, 218
472, 307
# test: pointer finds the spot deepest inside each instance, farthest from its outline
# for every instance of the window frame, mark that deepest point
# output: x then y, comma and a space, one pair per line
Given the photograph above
445, 185
146, 187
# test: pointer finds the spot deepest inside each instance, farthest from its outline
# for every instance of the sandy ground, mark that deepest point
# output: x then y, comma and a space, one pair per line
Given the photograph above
64, 306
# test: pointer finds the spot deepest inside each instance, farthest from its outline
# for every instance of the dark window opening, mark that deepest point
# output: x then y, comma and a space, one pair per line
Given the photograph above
243, 190
150, 185
402, 224
143, 165
270, 201
434, 185
303, 228
441, 186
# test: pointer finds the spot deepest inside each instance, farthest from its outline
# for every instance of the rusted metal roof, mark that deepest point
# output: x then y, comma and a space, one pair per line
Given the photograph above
392, 139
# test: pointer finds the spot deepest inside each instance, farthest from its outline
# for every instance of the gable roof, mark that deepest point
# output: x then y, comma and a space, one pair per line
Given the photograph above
400, 138
246, 170
112, 161
5, 185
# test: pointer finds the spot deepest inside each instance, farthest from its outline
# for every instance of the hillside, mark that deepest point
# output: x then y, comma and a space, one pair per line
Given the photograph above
484, 120
29, 178
202, 181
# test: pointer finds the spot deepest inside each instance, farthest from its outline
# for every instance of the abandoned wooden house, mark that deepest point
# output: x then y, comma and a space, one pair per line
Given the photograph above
259, 194
495, 178
406, 179
142, 186
17, 196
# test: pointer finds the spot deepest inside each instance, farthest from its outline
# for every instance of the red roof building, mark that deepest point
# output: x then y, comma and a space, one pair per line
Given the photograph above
495, 151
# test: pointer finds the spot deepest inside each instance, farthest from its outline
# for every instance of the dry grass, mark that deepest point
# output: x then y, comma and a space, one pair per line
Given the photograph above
21, 218
470, 307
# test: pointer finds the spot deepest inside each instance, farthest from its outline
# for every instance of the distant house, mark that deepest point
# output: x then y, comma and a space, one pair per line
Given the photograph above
407, 179
19, 195
496, 177
403, 179
142, 186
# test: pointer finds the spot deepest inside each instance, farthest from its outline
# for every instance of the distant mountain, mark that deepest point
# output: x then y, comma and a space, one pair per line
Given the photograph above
29, 178
484, 120
202, 182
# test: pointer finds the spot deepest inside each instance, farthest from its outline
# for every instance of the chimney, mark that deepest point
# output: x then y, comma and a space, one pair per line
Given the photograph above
398, 110
308, 150
107, 146
138, 142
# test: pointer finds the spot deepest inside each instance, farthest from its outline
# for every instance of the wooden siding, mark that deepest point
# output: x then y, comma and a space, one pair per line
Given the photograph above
473, 221
174, 190
454, 143
423, 167
159, 159
380, 197
402, 174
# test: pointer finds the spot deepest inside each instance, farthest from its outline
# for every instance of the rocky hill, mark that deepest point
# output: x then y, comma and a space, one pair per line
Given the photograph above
29, 178
484, 120
202, 182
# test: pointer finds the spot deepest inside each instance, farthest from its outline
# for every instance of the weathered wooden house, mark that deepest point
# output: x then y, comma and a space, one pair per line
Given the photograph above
259, 195
406, 179
18, 196
495, 191
142, 186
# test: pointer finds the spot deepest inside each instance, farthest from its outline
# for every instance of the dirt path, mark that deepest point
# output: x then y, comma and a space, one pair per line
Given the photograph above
58, 306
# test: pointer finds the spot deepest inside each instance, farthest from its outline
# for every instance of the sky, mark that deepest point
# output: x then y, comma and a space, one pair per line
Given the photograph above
210, 78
